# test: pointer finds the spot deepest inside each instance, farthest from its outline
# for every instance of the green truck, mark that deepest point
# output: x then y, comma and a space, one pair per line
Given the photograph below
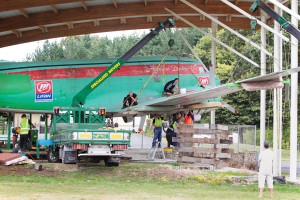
81, 133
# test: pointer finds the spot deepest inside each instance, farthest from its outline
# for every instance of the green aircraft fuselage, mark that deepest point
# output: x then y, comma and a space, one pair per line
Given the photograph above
44, 85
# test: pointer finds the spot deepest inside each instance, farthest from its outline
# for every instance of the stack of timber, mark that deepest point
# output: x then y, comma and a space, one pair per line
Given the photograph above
197, 144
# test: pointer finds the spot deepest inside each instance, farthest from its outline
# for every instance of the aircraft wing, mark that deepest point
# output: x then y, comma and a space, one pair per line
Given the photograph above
198, 99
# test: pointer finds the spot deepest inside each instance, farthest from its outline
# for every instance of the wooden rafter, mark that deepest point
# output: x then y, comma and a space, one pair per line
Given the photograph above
96, 22
43, 29
115, 3
228, 18
22, 4
84, 5
54, 9
17, 33
123, 20
106, 26
149, 18
70, 25
23, 11
202, 17
105, 11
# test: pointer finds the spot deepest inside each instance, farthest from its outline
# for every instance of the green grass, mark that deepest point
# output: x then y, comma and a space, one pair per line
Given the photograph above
132, 181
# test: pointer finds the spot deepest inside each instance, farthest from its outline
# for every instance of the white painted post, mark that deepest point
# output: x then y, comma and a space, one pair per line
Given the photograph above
263, 65
214, 28
276, 105
294, 99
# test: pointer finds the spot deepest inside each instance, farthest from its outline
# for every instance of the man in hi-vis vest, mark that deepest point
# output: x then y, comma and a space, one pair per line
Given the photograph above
157, 123
25, 127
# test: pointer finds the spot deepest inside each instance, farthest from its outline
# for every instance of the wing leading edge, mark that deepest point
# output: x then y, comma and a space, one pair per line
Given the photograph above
198, 99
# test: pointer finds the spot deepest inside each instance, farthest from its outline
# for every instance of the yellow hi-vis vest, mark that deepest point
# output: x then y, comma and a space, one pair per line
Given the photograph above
157, 122
24, 126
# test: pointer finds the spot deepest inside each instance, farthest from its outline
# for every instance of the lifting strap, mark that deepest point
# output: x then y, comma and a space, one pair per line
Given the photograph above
154, 71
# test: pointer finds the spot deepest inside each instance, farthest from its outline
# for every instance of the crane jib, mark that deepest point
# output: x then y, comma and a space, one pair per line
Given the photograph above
113, 67
79, 98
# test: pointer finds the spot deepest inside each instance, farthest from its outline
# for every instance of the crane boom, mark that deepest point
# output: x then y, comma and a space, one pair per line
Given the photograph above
80, 97
282, 21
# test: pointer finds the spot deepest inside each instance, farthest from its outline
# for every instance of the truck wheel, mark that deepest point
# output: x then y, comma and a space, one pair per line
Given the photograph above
93, 160
52, 155
110, 163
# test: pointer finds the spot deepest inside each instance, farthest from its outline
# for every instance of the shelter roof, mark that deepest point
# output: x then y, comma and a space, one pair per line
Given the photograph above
27, 20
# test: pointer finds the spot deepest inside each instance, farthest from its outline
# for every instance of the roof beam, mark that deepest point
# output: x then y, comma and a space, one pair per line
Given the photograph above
17, 33
228, 18
96, 22
258, 21
43, 29
123, 20
84, 5
106, 26
115, 3
24, 13
54, 9
213, 38
107, 11
70, 25
17, 4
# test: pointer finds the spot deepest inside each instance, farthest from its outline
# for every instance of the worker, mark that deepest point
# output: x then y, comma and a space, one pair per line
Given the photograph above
172, 131
24, 132
170, 86
265, 160
189, 118
130, 100
157, 123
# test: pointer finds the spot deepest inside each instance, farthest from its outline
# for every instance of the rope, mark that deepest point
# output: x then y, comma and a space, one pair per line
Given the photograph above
154, 71
188, 69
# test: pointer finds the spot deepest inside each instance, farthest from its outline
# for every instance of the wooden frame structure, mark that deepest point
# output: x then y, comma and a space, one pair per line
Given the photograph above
27, 21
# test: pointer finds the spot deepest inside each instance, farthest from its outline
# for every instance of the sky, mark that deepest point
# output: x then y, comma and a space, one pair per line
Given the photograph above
19, 52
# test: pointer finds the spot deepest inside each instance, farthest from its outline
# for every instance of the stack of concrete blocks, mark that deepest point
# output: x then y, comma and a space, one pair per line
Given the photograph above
205, 146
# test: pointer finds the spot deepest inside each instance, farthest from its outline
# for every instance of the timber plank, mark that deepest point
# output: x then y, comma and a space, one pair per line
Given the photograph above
196, 140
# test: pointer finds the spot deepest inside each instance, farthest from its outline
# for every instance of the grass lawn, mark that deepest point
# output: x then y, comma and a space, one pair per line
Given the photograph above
129, 181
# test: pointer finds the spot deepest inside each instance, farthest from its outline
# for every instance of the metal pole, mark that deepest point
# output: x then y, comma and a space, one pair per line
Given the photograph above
214, 28
238, 138
227, 27
292, 12
276, 105
255, 138
294, 99
46, 126
263, 64
259, 22
8, 130
213, 38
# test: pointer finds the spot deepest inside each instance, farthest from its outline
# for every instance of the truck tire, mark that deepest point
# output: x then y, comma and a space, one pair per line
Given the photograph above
52, 155
109, 163
93, 160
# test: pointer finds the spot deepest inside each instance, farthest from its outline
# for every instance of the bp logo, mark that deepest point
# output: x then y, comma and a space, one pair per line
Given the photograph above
43, 91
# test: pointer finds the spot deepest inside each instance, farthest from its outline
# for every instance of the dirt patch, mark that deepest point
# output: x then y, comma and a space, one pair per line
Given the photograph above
21, 170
